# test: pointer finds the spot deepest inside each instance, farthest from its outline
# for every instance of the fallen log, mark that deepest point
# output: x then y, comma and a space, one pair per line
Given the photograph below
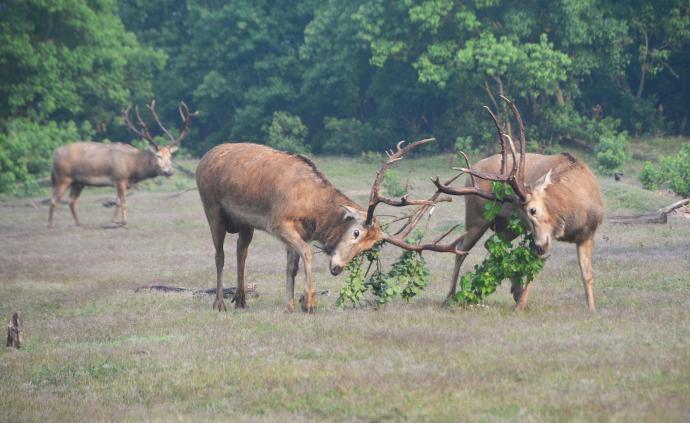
660, 216
227, 292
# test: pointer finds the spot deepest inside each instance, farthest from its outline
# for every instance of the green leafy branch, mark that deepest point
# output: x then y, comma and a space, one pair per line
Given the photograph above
407, 277
505, 261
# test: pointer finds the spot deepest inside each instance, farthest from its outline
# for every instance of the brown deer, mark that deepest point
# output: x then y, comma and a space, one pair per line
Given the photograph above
83, 164
556, 195
245, 186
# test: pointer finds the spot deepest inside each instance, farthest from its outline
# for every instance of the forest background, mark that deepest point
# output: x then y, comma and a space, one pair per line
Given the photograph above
342, 77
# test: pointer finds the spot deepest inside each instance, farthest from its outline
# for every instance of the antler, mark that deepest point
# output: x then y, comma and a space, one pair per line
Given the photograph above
144, 131
515, 177
375, 198
186, 120
413, 219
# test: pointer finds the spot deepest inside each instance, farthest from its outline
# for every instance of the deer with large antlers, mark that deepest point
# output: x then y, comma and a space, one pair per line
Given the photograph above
83, 164
245, 186
556, 195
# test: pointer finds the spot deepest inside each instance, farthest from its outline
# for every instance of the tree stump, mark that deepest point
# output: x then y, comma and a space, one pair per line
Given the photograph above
14, 332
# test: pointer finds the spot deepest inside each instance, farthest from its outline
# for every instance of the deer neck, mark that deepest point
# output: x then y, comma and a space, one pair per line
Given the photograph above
146, 166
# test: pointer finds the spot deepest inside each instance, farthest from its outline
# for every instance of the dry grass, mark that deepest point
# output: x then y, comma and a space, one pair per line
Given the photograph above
95, 350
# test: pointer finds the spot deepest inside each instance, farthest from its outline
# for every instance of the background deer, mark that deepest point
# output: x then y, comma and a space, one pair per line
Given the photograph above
556, 195
120, 165
244, 187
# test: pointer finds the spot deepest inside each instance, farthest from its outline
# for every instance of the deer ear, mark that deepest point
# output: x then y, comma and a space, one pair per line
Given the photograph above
153, 148
351, 213
172, 149
542, 182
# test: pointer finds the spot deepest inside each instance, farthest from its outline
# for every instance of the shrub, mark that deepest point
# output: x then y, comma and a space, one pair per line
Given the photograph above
672, 170
287, 133
612, 151
26, 151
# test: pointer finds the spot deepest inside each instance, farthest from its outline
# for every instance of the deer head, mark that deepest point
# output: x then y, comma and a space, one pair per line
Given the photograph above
530, 198
359, 236
162, 154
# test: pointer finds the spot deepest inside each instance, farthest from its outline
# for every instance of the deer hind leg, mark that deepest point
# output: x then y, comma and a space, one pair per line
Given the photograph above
473, 235
290, 236
584, 255
292, 269
244, 238
75, 191
58, 192
218, 229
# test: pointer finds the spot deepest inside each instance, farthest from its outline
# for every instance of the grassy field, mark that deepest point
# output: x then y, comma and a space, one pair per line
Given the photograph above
97, 351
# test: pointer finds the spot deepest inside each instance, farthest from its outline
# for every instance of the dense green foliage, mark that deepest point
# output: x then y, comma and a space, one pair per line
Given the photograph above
346, 77
673, 171
505, 261
27, 150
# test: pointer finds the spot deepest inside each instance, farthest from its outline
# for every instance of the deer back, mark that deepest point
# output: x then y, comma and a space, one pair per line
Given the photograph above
257, 185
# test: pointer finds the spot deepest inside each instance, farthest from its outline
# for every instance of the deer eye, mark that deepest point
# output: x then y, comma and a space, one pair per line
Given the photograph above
533, 211
356, 233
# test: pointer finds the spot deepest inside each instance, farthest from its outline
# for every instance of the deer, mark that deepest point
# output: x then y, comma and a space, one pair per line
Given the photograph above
120, 165
557, 196
246, 186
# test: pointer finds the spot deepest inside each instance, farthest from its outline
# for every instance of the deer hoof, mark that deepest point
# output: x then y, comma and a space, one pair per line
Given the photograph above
219, 305
239, 301
290, 307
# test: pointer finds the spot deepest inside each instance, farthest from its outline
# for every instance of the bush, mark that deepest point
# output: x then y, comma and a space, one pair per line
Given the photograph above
287, 133
26, 151
672, 170
612, 152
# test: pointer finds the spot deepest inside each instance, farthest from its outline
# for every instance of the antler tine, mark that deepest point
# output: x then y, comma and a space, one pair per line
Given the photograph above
451, 247
499, 131
152, 109
129, 123
186, 119
375, 198
523, 140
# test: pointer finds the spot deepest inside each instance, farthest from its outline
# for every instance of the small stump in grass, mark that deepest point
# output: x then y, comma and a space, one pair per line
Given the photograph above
14, 332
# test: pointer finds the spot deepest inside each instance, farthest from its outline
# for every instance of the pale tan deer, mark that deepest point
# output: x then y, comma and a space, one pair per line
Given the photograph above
557, 195
245, 186
83, 164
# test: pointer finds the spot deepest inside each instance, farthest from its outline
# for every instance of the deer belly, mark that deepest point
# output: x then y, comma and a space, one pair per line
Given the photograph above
243, 214
94, 180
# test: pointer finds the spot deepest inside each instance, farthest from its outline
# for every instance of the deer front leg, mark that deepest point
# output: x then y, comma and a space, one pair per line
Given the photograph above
584, 255
290, 236
292, 269
520, 294
243, 240
122, 197
74, 196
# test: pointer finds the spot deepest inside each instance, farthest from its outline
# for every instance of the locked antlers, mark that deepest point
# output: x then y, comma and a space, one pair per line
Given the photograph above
413, 219
142, 130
